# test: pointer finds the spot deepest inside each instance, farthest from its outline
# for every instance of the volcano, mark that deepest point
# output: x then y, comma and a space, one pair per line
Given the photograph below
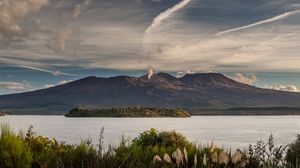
193, 92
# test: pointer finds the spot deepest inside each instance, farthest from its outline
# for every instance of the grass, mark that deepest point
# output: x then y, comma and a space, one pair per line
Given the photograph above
151, 149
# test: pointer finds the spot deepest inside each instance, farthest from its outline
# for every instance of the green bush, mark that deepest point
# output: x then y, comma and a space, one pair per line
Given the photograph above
141, 151
155, 138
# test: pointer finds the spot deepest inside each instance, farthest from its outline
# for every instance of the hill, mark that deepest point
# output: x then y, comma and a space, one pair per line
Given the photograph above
192, 92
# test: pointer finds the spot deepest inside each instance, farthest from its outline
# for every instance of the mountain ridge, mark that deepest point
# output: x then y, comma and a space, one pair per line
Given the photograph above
190, 92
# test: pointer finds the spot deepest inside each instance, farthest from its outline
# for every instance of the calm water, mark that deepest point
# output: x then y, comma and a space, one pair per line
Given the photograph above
227, 131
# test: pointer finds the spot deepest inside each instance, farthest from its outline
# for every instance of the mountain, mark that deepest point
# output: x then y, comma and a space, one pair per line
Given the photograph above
191, 92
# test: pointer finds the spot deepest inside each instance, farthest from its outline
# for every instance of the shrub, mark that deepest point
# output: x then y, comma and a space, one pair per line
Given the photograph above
267, 154
293, 154
153, 138
82, 155
151, 143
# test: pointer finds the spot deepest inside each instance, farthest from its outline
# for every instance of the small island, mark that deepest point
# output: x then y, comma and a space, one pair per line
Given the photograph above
128, 112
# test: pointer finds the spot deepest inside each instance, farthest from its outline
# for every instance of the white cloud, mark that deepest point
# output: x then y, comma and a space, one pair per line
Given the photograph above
244, 78
15, 86
58, 83
273, 19
166, 14
183, 73
288, 88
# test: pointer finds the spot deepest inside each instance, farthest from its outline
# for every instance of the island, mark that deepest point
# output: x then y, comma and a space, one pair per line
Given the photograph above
128, 112
2, 113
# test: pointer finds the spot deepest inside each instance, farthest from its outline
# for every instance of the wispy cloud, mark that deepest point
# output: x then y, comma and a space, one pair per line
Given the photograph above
273, 19
15, 86
53, 72
165, 15
111, 34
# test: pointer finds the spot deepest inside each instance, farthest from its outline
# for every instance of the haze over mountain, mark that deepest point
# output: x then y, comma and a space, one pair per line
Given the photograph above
192, 92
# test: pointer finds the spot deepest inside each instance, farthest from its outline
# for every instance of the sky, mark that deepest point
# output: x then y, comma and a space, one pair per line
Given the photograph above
44, 43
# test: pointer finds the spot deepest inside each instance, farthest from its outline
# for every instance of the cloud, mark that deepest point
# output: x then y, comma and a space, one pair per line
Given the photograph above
15, 86
58, 83
65, 37
273, 19
12, 13
183, 73
243, 78
183, 44
110, 34
166, 14
53, 72
288, 88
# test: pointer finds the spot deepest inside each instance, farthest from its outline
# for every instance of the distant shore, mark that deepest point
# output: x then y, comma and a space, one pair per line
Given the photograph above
248, 111
236, 111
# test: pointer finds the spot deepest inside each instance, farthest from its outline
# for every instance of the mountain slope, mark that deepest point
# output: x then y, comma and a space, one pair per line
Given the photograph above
192, 92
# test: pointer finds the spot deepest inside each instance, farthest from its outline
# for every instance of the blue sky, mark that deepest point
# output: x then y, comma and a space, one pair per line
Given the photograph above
48, 42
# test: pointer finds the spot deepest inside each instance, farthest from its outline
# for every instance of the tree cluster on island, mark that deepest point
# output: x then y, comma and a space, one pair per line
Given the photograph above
127, 112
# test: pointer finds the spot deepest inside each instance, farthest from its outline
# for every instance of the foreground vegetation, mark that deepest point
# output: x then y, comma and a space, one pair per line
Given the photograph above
151, 149
127, 112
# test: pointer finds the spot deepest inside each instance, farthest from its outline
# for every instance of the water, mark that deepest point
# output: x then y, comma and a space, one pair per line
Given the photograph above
226, 131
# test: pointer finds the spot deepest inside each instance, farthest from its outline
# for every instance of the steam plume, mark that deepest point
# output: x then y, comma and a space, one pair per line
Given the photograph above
273, 19
151, 71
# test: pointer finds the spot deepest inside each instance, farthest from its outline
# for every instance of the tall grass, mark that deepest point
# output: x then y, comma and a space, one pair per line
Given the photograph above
151, 149
14, 151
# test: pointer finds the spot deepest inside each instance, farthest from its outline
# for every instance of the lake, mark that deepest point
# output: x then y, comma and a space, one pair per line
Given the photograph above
226, 131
